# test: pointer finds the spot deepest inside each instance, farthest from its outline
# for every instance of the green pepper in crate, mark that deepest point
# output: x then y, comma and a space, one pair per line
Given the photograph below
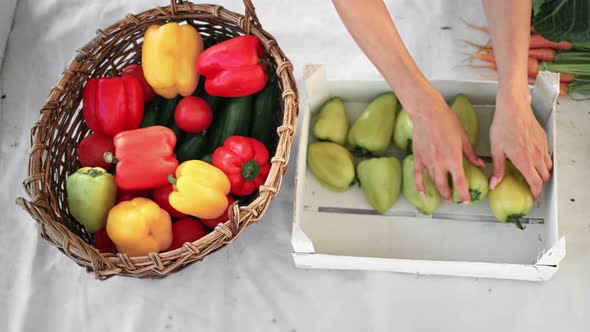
381, 180
332, 123
431, 200
467, 116
332, 165
512, 198
477, 182
404, 129
371, 132
91, 193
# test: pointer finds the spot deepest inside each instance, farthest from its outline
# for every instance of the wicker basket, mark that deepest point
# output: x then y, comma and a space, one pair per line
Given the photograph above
55, 136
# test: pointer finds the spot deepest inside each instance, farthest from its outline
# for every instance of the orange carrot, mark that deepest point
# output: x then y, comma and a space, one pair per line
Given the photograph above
480, 48
537, 41
543, 54
476, 27
532, 64
486, 57
563, 89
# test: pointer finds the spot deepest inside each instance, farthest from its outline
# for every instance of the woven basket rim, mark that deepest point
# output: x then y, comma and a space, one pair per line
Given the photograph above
106, 265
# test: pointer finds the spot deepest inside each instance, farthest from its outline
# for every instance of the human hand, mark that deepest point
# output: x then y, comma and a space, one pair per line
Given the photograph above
517, 135
439, 143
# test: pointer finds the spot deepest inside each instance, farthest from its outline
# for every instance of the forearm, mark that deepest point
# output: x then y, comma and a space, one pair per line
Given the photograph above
373, 30
509, 22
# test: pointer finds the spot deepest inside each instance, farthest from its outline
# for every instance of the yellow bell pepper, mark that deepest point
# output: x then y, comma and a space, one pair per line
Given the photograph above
169, 55
139, 226
200, 190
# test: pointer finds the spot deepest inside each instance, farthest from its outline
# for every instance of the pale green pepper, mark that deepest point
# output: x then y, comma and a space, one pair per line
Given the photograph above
332, 123
332, 165
404, 129
512, 198
477, 182
371, 131
467, 116
429, 203
91, 193
381, 180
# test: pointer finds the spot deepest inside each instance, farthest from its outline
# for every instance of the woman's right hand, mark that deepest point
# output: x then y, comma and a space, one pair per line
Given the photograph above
439, 143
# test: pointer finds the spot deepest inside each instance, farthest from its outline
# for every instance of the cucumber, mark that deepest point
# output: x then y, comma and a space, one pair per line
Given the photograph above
166, 112
232, 119
193, 147
150, 113
266, 104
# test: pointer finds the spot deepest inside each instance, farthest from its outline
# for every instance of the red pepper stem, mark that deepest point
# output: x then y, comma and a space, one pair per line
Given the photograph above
171, 179
110, 158
110, 73
250, 170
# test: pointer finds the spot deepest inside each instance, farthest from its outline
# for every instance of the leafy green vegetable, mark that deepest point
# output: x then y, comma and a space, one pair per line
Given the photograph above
563, 20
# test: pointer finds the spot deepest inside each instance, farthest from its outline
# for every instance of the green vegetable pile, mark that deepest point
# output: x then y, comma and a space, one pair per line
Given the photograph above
331, 159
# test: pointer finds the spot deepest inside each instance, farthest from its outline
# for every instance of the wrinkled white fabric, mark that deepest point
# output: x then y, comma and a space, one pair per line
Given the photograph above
252, 285
6, 12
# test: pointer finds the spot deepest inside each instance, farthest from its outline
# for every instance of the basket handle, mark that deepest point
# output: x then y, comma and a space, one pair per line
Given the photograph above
250, 12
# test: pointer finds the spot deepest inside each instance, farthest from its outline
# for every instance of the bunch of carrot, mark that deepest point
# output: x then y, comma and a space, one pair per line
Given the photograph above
572, 61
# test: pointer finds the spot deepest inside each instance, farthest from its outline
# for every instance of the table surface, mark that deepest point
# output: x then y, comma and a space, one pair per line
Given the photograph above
252, 285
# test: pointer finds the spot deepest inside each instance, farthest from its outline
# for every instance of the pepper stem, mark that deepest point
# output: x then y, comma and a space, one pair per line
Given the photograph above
515, 219
95, 172
171, 179
109, 158
250, 170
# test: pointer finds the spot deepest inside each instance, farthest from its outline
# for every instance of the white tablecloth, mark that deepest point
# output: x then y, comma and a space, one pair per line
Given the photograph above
252, 285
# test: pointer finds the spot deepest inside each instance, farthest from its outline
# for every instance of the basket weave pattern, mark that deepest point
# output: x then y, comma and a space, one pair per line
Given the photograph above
61, 127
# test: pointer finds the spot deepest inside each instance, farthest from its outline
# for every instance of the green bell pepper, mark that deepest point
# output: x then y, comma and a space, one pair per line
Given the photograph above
402, 134
429, 203
332, 165
371, 131
91, 193
381, 180
477, 182
512, 198
467, 116
332, 123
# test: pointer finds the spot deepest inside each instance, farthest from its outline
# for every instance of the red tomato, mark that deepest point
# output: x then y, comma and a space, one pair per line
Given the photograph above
136, 71
160, 196
91, 149
193, 114
211, 223
186, 230
127, 195
103, 242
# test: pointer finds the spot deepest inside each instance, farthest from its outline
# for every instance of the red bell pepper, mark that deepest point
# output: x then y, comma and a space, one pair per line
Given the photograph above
233, 68
144, 157
136, 71
245, 162
160, 196
112, 104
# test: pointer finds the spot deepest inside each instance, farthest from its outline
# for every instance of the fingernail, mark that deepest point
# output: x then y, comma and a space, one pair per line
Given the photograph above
466, 202
493, 182
482, 163
422, 194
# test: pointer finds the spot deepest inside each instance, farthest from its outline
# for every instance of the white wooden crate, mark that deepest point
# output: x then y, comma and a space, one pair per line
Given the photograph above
341, 231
